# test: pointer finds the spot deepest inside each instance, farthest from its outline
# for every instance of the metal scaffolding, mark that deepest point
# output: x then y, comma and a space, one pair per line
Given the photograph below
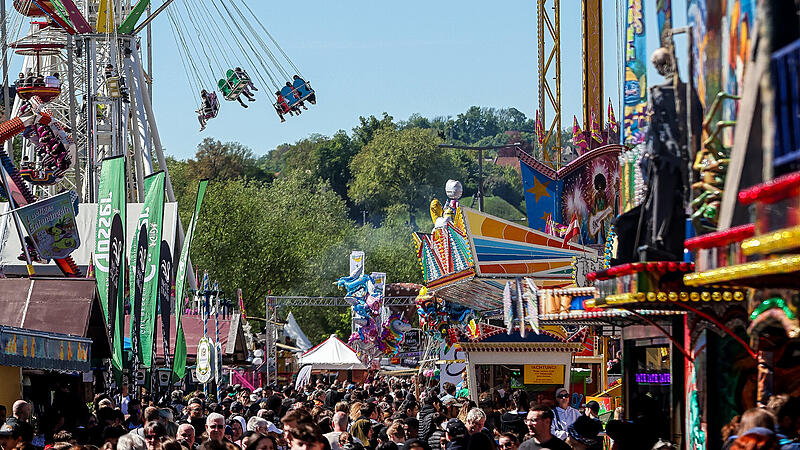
272, 303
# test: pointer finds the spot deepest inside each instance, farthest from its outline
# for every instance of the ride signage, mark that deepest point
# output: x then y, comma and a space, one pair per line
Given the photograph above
543, 374
204, 360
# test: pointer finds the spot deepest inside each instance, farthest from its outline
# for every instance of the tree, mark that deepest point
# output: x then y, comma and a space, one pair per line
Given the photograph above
261, 237
475, 124
400, 167
370, 126
217, 160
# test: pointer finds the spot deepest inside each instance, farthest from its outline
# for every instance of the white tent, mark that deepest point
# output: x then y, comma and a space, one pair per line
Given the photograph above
292, 329
333, 354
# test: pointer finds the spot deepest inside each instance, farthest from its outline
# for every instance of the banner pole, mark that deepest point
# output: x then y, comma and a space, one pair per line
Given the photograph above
13, 206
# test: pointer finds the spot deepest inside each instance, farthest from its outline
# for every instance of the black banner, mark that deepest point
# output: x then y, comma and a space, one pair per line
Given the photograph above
138, 287
165, 295
115, 255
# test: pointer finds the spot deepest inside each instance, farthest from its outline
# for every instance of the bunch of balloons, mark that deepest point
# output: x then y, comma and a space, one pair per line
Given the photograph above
366, 301
393, 335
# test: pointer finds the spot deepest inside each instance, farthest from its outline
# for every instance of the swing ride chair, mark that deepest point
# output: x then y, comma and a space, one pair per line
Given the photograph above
210, 111
233, 85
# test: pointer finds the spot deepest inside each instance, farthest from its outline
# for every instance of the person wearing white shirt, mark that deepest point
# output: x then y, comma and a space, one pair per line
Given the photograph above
565, 415
52, 80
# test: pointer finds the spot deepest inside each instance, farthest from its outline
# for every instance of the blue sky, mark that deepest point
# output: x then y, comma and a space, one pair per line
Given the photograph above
435, 58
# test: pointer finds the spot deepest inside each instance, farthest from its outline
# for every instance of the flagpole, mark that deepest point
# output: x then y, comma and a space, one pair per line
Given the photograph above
217, 348
13, 206
206, 295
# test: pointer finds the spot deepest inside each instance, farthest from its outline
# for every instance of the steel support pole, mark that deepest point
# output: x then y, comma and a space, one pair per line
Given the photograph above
4, 33
76, 162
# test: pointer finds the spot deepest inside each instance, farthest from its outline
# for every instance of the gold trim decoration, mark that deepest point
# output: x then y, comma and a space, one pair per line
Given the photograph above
777, 266
513, 347
664, 297
781, 240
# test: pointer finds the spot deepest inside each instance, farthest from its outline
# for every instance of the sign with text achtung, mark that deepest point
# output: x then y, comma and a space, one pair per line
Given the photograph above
543, 374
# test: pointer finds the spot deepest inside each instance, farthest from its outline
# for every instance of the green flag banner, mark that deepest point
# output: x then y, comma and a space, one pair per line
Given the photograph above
179, 363
111, 202
152, 217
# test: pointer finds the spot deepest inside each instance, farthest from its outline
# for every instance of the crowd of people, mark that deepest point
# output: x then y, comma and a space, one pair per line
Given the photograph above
383, 414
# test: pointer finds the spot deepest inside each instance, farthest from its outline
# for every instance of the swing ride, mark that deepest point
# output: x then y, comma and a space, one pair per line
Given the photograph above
88, 65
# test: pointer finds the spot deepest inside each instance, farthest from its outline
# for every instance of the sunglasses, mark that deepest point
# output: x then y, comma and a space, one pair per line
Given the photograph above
563, 396
216, 427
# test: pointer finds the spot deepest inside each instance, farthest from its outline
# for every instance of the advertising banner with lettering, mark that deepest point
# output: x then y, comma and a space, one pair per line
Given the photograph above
110, 201
51, 225
139, 264
151, 217
165, 295
635, 85
108, 256
116, 295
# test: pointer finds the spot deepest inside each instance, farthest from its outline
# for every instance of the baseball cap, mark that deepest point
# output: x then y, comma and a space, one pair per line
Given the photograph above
451, 401
253, 397
258, 391
560, 391
271, 428
7, 429
585, 430
456, 428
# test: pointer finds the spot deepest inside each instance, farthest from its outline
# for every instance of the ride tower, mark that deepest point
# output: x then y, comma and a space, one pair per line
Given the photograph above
104, 98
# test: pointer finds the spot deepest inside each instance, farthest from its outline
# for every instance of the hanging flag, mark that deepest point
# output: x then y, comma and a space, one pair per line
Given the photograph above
164, 296
578, 139
635, 82
508, 308
597, 134
50, 223
116, 295
111, 201
539, 128
140, 262
179, 362
111, 205
613, 126
293, 330
240, 298
572, 230
152, 217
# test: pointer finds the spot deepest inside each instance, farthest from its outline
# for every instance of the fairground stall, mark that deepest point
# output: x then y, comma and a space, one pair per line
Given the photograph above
729, 273
43, 357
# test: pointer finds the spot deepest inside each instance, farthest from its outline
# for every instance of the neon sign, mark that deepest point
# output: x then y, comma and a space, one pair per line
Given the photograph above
653, 378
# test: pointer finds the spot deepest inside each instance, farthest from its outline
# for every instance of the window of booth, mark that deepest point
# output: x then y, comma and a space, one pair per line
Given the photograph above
539, 380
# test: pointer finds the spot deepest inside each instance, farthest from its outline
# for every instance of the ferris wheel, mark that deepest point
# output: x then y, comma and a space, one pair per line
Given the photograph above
87, 68
85, 59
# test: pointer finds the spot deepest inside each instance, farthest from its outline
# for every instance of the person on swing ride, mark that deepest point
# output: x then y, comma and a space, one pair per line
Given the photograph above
312, 98
205, 109
296, 95
281, 107
242, 75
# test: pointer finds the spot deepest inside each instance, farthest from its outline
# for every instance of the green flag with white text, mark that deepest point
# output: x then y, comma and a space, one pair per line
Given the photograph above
111, 202
152, 217
179, 364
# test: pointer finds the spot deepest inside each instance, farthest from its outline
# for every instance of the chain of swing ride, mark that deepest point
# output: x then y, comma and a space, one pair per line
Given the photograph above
207, 50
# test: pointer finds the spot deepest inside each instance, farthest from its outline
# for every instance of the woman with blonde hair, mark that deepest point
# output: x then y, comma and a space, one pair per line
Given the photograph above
355, 411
